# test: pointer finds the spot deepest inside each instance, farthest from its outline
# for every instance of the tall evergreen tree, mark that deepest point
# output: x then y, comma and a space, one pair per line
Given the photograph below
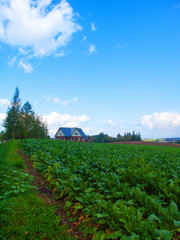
28, 118
12, 123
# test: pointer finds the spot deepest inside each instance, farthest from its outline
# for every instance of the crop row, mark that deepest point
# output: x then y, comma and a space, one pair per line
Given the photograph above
130, 192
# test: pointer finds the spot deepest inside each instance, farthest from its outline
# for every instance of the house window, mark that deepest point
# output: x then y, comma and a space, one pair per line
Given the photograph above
83, 139
71, 139
78, 139
76, 133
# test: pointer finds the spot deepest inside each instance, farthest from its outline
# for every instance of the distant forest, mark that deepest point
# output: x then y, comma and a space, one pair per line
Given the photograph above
104, 138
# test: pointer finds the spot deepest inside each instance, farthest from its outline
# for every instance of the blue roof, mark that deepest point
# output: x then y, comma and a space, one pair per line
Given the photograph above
68, 132
82, 133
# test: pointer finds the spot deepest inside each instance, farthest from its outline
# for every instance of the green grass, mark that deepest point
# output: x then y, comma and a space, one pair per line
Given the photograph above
29, 218
9, 159
22, 214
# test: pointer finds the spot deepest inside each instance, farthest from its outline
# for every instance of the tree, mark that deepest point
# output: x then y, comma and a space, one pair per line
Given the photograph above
12, 123
2, 136
27, 108
27, 116
22, 122
102, 138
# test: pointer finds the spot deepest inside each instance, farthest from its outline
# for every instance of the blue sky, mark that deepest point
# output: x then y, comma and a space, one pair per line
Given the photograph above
105, 66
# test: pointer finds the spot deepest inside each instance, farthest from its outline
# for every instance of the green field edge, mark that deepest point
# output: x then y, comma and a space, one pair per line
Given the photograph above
23, 214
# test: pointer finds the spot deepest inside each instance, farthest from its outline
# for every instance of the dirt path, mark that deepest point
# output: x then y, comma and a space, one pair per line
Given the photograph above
47, 195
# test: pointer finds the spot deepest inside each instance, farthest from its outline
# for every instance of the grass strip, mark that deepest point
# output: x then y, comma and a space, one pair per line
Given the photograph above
22, 214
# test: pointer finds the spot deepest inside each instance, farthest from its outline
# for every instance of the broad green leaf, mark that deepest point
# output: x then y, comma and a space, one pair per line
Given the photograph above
115, 235
101, 235
117, 195
173, 208
166, 235
153, 218
176, 223
101, 215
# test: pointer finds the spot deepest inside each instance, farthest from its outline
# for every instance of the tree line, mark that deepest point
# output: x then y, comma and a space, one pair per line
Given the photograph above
104, 138
22, 122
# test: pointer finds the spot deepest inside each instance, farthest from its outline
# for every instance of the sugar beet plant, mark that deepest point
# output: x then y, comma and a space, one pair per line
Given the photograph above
130, 192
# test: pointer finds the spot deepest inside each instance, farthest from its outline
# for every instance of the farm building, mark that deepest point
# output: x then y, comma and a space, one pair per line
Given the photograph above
71, 134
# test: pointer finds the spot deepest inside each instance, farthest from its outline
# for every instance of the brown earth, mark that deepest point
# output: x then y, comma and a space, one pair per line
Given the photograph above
149, 143
48, 196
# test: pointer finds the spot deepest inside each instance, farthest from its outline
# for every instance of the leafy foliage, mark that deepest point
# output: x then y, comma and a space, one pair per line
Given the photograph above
129, 191
22, 214
104, 138
22, 122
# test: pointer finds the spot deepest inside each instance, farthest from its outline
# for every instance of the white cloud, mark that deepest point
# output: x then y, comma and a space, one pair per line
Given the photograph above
165, 120
2, 117
23, 51
54, 120
91, 131
60, 54
57, 100
11, 61
48, 97
26, 66
75, 99
92, 49
65, 119
121, 45
4, 102
37, 28
84, 38
35, 104
112, 123
93, 28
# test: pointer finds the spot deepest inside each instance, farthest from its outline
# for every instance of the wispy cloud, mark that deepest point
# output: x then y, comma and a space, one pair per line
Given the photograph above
113, 123
60, 54
2, 117
93, 28
84, 38
92, 49
11, 61
26, 66
121, 45
23, 51
4, 102
165, 120
48, 97
37, 28
57, 100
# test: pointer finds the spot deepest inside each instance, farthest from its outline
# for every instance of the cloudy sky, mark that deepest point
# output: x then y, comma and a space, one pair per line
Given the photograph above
106, 66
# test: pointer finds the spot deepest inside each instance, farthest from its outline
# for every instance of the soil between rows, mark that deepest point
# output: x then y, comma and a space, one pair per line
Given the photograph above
47, 195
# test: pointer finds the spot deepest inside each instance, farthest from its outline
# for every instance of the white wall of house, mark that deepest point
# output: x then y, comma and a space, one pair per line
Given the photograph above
76, 134
60, 133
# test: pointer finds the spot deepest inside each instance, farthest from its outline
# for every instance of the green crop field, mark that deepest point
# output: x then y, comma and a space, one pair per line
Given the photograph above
121, 191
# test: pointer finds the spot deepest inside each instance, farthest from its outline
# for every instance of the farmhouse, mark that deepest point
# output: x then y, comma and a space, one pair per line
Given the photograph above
71, 134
